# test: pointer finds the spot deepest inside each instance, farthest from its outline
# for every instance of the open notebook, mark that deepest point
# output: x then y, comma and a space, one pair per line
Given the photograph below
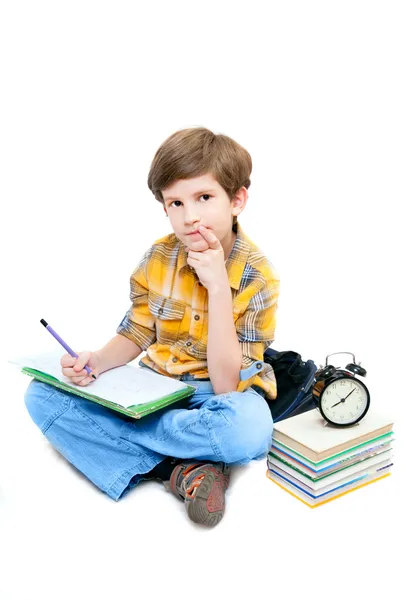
133, 391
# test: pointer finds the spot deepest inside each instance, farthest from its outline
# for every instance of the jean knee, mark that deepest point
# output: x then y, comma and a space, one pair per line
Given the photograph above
44, 403
252, 427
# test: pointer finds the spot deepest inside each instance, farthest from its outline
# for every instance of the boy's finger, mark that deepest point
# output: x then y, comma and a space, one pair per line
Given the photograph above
67, 360
82, 372
82, 360
209, 236
72, 373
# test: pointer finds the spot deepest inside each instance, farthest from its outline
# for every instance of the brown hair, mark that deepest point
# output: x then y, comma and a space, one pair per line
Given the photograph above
196, 151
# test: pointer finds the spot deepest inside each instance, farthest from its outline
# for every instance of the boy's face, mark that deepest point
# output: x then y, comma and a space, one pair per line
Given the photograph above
202, 201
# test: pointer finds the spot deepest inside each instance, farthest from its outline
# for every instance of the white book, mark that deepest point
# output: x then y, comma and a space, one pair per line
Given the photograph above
309, 435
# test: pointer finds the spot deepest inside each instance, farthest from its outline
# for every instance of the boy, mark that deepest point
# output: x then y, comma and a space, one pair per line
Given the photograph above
203, 309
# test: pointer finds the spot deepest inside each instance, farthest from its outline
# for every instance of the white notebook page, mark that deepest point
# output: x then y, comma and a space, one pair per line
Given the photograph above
126, 385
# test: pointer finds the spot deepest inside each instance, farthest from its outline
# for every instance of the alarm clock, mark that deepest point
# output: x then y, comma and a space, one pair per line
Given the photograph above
341, 397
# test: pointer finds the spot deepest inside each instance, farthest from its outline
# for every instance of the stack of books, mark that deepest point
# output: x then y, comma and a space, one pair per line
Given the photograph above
317, 462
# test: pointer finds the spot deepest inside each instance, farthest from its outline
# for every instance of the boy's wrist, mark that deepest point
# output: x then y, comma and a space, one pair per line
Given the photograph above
99, 359
117, 352
219, 288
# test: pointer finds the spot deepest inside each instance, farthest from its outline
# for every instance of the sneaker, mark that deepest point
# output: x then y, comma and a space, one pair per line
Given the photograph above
202, 486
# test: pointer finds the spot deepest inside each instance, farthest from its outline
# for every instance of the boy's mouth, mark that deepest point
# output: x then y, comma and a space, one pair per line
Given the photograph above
192, 233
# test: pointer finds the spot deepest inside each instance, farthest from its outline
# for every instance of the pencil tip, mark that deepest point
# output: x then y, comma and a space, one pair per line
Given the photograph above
94, 376
45, 324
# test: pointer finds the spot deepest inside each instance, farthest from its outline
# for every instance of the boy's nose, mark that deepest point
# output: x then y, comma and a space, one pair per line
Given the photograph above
192, 220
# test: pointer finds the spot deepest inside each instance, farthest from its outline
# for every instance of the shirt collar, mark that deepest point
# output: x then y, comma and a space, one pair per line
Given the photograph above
236, 261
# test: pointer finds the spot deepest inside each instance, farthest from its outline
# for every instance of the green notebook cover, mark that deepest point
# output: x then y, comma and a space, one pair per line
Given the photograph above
136, 411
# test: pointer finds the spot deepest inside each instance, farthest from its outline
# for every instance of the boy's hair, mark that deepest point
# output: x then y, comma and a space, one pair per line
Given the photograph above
196, 151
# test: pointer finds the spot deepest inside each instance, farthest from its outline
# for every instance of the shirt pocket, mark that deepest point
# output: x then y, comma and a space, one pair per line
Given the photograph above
168, 314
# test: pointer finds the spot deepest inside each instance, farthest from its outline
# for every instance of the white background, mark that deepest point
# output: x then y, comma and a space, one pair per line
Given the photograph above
315, 91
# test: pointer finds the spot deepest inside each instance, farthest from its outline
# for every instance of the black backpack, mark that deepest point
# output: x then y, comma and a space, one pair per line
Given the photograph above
294, 380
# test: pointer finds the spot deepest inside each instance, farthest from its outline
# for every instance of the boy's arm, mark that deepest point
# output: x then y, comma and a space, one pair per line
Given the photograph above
233, 348
117, 352
223, 348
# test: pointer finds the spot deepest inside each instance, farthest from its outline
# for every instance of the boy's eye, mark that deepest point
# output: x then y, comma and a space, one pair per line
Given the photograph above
202, 196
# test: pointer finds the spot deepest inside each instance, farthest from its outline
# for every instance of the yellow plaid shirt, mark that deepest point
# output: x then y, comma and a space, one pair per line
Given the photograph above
169, 316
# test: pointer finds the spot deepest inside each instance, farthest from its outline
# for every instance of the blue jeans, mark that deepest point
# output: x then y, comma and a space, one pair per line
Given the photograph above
114, 451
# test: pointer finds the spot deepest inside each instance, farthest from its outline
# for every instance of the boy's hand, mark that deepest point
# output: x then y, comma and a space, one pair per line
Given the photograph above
73, 368
209, 264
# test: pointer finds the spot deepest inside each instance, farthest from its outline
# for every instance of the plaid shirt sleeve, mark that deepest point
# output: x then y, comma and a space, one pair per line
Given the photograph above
138, 323
256, 331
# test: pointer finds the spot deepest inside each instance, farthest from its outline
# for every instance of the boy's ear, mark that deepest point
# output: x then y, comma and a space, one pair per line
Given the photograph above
239, 201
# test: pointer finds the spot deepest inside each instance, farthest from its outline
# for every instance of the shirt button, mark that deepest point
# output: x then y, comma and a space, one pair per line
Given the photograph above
259, 366
197, 317
161, 310
174, 359
188, 343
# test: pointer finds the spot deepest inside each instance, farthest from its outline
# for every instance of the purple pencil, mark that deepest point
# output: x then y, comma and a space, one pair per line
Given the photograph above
64, 344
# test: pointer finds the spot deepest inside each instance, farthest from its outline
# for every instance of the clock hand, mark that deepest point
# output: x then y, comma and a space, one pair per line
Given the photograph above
343, 399
353, 390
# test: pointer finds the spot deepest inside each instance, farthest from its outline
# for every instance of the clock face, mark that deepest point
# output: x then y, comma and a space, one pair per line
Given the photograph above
344, 401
